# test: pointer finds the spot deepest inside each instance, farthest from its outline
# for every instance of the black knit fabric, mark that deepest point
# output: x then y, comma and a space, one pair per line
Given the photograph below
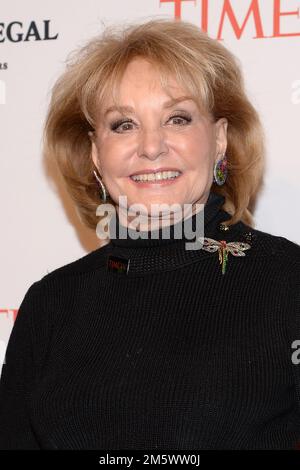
171, 354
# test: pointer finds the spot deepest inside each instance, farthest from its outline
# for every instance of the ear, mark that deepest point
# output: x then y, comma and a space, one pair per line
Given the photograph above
94, 152
221, 135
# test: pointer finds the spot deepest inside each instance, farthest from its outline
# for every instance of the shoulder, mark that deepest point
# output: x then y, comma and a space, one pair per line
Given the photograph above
57, 286
88, 263
277, 243
47, 296
283, 253
45, 304
267, 243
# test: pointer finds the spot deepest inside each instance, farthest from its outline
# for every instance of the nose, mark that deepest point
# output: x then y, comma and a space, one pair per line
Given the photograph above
152, 143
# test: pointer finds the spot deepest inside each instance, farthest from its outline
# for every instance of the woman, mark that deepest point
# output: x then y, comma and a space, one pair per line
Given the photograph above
145, 343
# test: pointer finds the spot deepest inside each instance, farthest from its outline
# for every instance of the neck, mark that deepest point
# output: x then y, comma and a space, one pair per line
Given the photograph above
187, 228
157, 220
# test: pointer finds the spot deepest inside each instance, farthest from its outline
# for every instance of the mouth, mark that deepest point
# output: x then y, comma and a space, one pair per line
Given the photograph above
156, 178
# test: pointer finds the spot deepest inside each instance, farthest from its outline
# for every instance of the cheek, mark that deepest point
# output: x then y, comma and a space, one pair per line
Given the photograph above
197, 149
112, 156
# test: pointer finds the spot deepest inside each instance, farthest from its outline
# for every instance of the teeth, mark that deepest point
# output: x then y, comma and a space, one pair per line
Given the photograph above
163, 175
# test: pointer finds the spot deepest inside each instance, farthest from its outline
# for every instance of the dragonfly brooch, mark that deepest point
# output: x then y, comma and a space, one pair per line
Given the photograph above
235, 248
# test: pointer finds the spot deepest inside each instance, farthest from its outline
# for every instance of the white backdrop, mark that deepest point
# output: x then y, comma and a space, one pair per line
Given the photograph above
40, 230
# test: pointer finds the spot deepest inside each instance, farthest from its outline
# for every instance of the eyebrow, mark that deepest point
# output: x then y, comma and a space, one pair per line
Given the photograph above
167, 104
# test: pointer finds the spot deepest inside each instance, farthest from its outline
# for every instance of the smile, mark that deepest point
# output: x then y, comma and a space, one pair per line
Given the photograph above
158, 177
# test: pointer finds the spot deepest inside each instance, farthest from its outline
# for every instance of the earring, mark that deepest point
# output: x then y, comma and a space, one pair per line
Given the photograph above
104, 194
220, 171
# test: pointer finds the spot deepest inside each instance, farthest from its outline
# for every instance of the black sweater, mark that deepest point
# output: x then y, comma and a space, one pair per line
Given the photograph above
168, 354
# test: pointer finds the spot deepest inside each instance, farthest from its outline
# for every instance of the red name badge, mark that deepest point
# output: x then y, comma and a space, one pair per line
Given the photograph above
118, 264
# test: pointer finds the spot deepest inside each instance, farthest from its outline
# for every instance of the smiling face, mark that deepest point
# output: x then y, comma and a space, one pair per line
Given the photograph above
156, 134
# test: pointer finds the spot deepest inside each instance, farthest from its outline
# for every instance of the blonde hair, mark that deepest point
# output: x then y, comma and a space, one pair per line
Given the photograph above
202, 65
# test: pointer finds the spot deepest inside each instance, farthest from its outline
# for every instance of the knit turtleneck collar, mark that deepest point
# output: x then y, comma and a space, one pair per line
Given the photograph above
143, 256
130, 238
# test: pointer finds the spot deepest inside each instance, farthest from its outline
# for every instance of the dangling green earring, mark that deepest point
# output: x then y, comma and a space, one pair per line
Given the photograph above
220, 170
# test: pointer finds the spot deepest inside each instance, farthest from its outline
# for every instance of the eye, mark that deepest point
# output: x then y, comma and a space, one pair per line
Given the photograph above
181, 119
119, 124
125, 124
